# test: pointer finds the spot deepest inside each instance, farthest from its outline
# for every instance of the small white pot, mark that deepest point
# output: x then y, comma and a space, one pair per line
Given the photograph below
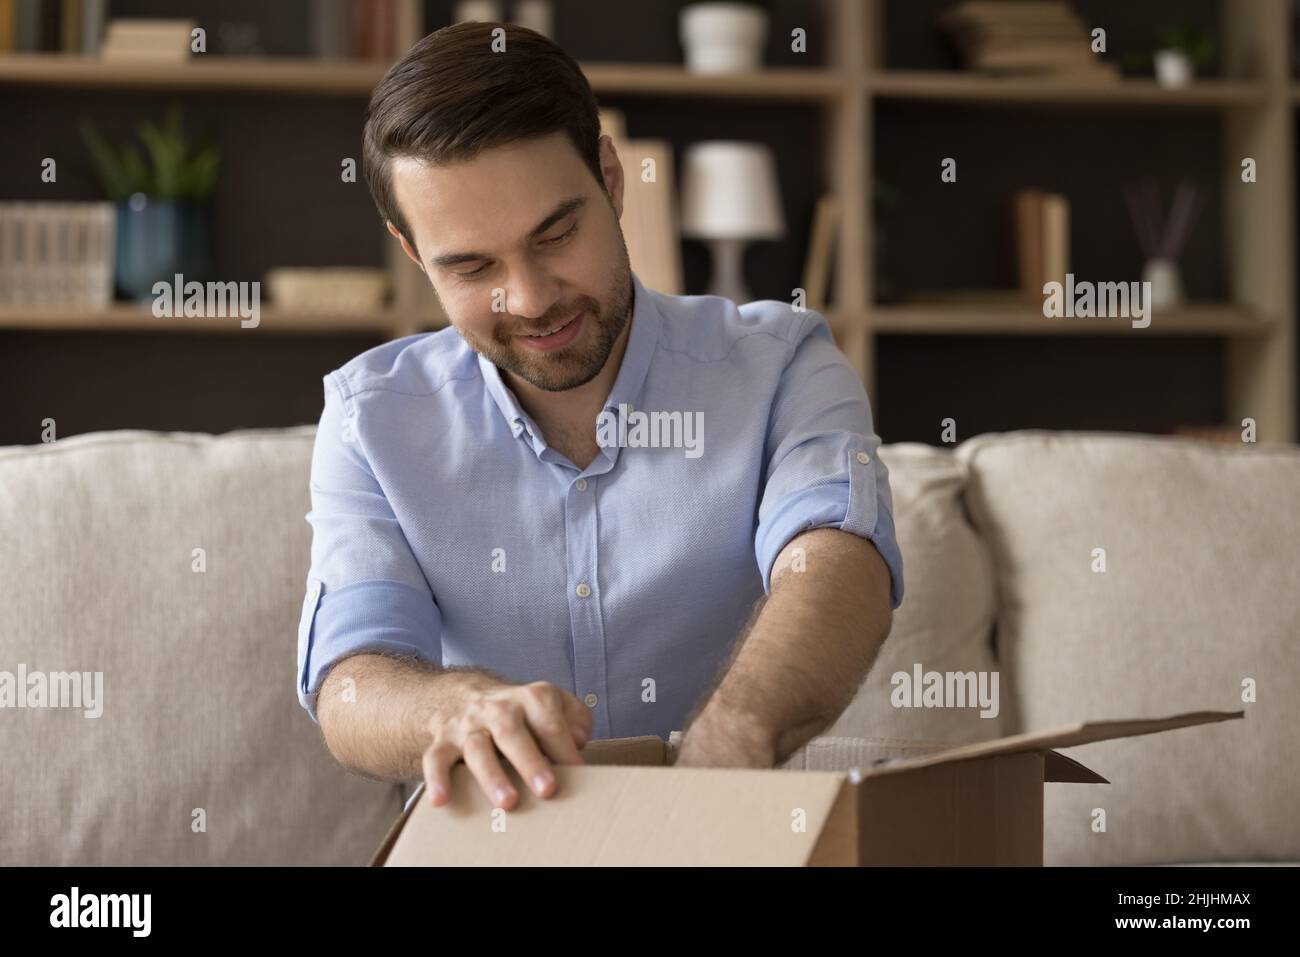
723, 37
1173, 68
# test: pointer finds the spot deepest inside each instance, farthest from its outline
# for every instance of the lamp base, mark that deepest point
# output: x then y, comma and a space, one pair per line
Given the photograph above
728, 270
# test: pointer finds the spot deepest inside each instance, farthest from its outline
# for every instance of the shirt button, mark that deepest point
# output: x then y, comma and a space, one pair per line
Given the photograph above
590, 700
864, 458
583, 590
581, 485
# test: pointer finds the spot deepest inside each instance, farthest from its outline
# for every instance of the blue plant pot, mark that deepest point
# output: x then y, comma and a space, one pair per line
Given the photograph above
158, 238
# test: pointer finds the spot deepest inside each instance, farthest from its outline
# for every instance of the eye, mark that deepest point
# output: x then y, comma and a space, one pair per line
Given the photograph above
561, 238
471, 274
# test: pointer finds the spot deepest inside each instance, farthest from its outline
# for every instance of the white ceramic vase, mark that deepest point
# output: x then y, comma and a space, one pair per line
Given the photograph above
1173, 68
723, 37
1166, 283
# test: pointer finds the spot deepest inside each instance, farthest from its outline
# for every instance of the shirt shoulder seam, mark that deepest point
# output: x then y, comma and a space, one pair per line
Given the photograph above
724, 356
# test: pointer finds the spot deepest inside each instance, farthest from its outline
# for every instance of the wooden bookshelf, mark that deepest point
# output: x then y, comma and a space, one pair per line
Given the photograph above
127, 317
248, 74
958, 87
1255, 103
1256, 108
1005, 314
353, 78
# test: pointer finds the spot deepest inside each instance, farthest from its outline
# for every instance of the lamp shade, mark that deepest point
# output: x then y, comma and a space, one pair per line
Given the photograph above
730, 191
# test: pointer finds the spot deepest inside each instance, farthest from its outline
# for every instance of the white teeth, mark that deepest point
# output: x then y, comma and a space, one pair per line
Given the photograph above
549, 332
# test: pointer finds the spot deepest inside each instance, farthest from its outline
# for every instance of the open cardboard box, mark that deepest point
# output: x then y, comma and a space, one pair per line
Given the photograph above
975, 804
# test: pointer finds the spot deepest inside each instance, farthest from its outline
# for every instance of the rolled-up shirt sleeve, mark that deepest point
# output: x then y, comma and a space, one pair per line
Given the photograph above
365, 589
822, 468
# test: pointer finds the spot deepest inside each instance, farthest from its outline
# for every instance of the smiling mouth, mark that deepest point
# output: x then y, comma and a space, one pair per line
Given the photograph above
551, 331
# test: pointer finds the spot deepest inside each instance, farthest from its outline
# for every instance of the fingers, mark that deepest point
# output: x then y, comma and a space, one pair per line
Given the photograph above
438, 760
511, 731
550, 714
527, 723
481, 759
579, 717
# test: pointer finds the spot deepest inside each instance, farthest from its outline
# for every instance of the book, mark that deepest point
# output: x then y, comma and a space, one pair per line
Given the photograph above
821, 247
1031, 37
408, 26
330, 29
649, 219
1042, 233
94, 14
8, 26
1056, 239
1028, 211
27, 25
374, 29
70, 27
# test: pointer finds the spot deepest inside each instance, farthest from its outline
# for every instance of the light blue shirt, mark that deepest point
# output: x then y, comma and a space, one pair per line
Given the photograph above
445, 527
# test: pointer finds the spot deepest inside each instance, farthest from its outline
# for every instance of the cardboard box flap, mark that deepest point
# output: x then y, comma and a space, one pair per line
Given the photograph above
1069, 736
1060, 768
625, 816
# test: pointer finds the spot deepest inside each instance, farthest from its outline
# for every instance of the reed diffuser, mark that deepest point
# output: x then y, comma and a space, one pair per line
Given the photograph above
1163, 239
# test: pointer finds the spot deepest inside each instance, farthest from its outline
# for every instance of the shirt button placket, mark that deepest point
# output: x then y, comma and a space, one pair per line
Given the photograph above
584, 603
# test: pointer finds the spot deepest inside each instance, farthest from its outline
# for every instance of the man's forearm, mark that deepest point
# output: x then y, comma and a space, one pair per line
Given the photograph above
807, 649
374, 711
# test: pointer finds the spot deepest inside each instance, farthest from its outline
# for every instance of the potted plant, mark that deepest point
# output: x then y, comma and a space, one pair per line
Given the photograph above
163, 206
1182, 49
723, 36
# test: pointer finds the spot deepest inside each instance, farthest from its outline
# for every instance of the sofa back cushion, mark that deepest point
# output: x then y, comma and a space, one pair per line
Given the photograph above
943, 626
1197, 605
202, 754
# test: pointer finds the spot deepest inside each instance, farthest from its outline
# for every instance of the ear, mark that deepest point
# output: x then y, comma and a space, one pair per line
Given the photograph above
406, 247
611, 168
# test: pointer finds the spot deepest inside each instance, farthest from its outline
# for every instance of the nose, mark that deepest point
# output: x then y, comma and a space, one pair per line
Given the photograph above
531, 292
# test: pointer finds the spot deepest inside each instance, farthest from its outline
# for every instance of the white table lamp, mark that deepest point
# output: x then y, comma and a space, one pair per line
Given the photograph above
730, 196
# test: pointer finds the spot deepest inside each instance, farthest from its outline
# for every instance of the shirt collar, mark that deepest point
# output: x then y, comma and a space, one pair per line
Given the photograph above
641, 342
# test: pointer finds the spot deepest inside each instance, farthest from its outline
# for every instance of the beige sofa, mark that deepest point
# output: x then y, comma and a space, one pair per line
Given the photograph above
202, 755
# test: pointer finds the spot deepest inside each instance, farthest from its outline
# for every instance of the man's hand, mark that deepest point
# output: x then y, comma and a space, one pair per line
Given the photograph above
513, 719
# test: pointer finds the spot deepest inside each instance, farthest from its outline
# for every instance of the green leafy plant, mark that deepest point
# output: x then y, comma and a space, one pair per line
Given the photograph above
1190, 40
174, 171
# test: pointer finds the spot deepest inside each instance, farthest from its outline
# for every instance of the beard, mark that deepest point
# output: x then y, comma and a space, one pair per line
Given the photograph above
579, 362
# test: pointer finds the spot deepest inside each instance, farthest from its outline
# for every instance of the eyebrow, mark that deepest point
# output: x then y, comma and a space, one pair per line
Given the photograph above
566, 207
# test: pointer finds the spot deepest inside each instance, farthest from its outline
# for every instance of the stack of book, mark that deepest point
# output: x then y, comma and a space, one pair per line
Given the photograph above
164, 40
1042, 227
56, 254
1039, 37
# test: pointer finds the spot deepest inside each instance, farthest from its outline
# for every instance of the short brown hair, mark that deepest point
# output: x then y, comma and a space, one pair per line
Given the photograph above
451, 96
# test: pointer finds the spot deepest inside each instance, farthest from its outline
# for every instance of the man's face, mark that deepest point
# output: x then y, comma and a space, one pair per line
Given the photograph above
522, 240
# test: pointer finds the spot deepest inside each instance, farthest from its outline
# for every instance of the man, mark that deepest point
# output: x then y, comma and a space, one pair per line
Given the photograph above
505, 564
